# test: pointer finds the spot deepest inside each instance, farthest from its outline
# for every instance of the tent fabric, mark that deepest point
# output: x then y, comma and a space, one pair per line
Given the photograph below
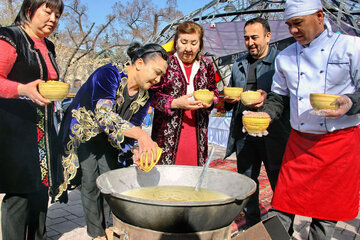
228, 37
230, 59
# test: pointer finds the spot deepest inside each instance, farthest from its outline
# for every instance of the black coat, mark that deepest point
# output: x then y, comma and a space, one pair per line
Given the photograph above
279, 130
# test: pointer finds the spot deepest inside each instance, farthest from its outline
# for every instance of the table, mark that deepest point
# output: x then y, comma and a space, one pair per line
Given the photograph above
218, 131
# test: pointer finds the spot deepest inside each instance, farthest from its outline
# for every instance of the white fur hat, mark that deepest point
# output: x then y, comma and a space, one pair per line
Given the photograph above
297, 8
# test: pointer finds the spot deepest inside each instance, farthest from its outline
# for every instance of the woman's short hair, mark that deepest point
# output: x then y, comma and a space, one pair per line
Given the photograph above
189, 28
29, 7
148, 51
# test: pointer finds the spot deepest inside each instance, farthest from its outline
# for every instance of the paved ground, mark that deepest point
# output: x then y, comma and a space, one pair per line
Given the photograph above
66, 221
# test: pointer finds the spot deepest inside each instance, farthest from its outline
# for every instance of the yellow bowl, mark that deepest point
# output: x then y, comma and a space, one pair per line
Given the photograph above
256, 122
144, 166
233, 92
54, 90
204, 95
249, 97
323, 101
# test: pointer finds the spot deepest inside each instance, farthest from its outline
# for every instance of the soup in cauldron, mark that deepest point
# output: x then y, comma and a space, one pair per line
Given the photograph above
175, 194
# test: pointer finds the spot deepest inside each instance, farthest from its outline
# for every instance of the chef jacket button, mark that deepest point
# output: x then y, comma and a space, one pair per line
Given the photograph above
321, 124
322, 49
321, 71
301, 52
302, 124
300, 98
302, 73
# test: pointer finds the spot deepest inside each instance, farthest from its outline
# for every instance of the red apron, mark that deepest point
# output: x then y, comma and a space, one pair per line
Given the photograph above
320, 175
187, 148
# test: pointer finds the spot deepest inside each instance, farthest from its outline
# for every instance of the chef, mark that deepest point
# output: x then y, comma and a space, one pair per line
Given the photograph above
320, 173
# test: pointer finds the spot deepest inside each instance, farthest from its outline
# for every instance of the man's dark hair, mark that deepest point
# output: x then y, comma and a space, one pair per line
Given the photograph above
263, 22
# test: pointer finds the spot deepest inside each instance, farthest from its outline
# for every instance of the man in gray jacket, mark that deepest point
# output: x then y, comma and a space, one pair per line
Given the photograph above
254, 71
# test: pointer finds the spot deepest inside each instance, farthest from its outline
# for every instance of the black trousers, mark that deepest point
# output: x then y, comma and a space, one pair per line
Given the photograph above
249, 160
320, 229
23, 216
96, 157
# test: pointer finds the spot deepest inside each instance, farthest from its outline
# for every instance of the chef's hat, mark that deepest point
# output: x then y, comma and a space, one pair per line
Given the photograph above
297, 8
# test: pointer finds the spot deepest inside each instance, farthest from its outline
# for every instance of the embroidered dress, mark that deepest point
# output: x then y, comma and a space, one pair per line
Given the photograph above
168, 122
95, 110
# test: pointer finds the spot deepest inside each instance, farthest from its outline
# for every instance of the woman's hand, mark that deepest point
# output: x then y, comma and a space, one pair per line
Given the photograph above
145, 146
30, 90
183, 102
207, 105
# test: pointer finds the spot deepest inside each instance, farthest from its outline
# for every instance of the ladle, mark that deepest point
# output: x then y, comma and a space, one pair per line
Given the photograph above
205, 167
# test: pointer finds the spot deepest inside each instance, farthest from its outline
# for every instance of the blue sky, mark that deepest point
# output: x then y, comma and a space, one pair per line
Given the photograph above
97, 10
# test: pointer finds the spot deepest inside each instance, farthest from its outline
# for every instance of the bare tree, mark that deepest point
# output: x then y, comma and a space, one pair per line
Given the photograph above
84, 38
82, 45
166, 14
140, 19
9, 9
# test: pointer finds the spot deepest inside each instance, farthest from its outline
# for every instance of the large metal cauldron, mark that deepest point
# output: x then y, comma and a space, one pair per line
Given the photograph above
176, 217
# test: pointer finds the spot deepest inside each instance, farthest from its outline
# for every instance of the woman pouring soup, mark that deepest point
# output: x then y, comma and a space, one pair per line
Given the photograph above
102, 124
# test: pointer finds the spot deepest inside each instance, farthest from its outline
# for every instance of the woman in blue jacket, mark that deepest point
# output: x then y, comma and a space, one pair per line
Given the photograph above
102, 123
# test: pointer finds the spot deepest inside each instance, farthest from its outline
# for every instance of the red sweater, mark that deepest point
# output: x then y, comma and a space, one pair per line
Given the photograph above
8, 55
